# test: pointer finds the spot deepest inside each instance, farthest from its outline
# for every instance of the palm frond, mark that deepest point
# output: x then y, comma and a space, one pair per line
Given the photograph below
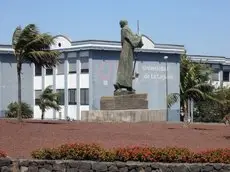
195, 93
49, 99
33, 46
46, 58
27, 35
47, 90
40, 42
50, 104
217, 100
204, 84
48, 94
16, 36
172, 99
205, 87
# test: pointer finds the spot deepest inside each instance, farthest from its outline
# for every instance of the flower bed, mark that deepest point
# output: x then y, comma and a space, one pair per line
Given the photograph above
2, 154
143, 154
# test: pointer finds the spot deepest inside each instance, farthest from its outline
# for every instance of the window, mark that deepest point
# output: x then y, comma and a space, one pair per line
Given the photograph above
84, 65
84, 96
226, 68
72, 66
215, 66
49, 71
37, 96
38, 70
60, 68
61, 97
72, 96
226, 76
215, 76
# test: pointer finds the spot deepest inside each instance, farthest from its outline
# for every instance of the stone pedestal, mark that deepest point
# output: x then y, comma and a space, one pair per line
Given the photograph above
139, 115
124, 102
123, 108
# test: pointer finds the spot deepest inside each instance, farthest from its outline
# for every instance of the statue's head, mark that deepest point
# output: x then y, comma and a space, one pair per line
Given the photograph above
123, 23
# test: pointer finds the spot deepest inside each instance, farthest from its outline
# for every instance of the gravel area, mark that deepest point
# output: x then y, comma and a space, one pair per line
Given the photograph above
19, 139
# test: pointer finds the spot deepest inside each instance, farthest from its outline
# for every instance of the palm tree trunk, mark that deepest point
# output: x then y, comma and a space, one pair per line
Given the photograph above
189, 110
43, 114
19, 68
192, 110
185, 111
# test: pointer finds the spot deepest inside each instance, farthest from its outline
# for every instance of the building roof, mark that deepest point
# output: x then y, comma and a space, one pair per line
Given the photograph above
210, 59
64, 44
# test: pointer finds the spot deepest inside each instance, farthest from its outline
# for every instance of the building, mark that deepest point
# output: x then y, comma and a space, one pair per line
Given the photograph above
87, 71
220, 66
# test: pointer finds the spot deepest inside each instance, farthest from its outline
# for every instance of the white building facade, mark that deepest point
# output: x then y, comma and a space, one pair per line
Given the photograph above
87, 71
71, 78
220, 66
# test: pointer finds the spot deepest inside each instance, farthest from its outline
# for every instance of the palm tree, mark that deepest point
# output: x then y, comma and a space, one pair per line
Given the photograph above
194, 85
32, 46
48, 99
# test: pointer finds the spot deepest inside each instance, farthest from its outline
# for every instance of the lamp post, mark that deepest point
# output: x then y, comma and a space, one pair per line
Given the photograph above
166, 85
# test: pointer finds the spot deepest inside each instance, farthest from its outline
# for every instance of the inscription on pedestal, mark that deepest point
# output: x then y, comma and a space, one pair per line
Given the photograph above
124, 102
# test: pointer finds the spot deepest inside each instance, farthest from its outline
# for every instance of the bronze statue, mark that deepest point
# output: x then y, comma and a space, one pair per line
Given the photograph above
129, 42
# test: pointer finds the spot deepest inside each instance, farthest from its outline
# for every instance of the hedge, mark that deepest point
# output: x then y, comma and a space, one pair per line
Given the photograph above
95, 152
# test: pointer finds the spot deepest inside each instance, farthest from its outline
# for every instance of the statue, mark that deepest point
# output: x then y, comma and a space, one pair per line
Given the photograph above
129, 42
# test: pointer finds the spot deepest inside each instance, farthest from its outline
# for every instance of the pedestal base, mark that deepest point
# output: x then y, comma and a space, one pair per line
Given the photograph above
139, 115
124, 102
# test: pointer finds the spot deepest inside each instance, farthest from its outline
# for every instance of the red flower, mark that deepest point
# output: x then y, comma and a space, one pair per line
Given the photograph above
2, 154
80, 151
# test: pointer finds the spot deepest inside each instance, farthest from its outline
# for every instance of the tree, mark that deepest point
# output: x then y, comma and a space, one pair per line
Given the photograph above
194, 85
32, 46
211, 111
48, 99
207, 111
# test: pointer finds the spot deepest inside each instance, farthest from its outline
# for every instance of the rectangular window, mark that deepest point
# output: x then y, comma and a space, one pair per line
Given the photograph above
72, 96
61, 96
215, 76
49, 71
226, 76
38, 70
226, 68
84, 97
37, 96
84, 65
60, 67
72, 66
215, 66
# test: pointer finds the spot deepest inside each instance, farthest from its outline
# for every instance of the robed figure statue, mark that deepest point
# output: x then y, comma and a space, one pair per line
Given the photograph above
129, 42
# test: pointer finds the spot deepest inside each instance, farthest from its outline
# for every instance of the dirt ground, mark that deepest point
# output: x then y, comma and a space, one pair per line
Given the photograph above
19, 139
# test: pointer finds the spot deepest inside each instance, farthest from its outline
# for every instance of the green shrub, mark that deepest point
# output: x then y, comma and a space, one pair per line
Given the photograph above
135, 153
12, 108
75, 152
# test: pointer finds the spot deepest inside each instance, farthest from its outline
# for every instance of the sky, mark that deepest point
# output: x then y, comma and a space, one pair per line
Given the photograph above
202, 26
